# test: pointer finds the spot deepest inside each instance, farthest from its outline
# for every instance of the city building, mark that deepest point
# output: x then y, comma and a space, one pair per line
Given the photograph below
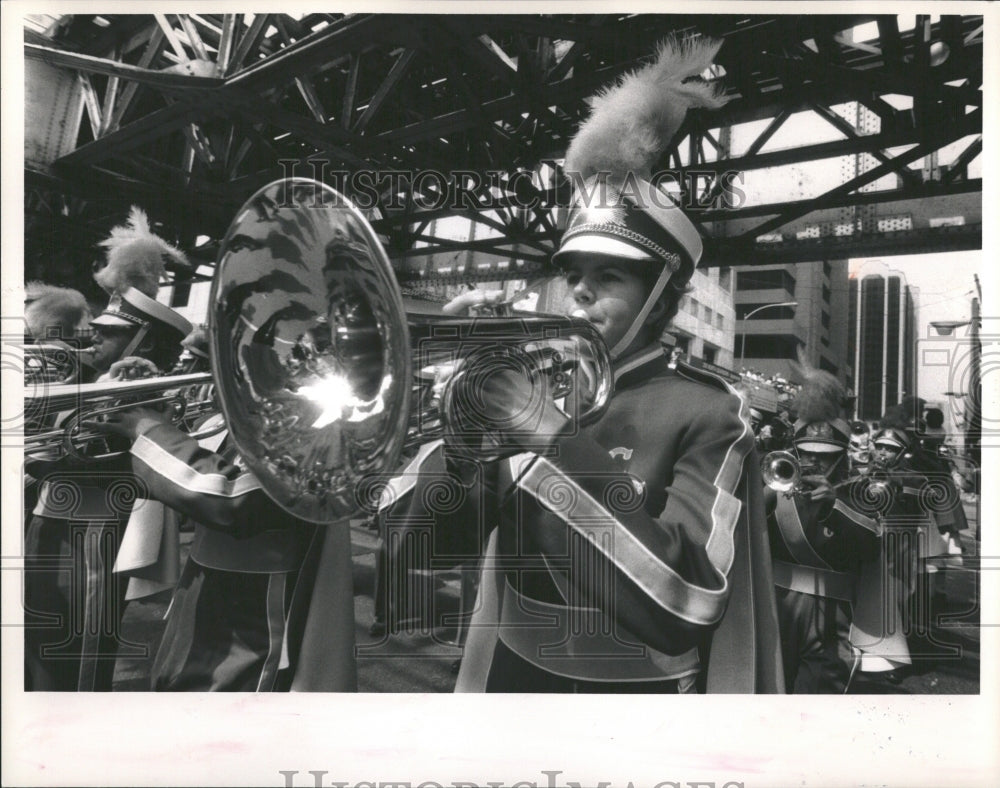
882, 332
770, 337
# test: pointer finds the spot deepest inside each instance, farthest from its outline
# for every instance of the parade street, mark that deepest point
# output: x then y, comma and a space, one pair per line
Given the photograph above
945, 655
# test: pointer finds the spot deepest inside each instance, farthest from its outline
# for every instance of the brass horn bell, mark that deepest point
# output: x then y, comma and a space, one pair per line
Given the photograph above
314, 362
781, 471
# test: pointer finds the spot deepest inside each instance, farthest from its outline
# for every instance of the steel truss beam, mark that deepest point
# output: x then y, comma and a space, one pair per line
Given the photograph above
212, 106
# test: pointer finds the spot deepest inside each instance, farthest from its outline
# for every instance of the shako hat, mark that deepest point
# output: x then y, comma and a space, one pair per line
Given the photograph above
135, 309
616, 209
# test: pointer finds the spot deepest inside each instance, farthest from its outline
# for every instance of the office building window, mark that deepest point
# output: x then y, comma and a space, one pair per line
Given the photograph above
768, 346
826, 294
709, 354
707, 314
718, 320
825, 319
778, 279
725, 278
827, 269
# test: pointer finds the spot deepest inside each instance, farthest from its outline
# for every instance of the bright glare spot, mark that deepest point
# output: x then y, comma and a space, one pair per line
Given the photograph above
338, 402
333, 394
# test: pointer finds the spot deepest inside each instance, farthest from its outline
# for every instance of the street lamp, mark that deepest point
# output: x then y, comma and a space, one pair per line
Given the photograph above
743, 343
973, 421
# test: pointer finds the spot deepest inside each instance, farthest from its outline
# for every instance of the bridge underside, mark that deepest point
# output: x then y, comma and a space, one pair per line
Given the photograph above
468, 116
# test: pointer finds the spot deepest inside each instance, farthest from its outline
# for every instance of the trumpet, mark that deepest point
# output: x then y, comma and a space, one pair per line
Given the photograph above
782, 472
569, 354
53, 363
55, 417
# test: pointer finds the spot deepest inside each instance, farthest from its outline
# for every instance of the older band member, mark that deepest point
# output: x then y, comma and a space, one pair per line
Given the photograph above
73, 600
820, 542
629, 555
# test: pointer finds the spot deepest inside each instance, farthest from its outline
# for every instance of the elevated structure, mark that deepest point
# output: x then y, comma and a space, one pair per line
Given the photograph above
427, 117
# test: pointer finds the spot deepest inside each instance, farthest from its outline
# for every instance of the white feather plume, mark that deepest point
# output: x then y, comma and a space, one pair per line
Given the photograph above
632, 122
137, 257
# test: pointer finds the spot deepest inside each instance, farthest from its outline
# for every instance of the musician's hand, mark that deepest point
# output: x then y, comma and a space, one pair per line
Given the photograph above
505, 402
820, 488
129, 423
461, 304
133, 368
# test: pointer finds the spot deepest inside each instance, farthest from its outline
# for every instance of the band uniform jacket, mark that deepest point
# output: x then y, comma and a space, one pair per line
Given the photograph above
635, 550
240, 532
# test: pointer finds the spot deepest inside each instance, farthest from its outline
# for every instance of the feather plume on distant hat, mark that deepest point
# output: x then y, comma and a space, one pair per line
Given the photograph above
51, 310
136, 257
903, 415
821, 397
632, 122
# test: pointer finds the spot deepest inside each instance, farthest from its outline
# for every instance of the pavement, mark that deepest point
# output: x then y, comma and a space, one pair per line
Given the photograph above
944, 643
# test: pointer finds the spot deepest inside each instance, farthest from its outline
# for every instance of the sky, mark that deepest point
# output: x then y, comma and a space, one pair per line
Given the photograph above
946, 285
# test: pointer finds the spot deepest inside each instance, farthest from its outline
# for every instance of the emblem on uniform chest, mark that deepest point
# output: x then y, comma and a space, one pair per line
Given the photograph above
622, 454
621, 451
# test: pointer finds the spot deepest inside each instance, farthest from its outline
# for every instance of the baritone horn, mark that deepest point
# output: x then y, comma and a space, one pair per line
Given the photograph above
314, 360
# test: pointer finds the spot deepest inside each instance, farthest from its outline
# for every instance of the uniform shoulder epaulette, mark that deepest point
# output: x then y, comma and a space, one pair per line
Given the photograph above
702, 376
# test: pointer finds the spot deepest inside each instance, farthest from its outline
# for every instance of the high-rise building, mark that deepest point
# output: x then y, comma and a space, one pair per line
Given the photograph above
882, 332
770, 337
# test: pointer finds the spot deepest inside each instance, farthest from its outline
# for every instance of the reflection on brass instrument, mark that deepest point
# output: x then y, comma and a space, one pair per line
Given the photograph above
569, 352
55, 417
503, 308
859, 449
781, 471
879, 483
52, 362
319, 380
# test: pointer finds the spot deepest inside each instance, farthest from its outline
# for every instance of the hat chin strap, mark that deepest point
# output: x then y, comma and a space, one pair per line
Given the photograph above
640, 318
130, 348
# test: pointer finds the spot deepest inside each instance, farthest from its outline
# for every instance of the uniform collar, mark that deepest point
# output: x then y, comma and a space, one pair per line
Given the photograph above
642, 364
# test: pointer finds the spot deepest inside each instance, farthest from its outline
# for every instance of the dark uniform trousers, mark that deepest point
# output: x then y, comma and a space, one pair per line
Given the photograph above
73, 600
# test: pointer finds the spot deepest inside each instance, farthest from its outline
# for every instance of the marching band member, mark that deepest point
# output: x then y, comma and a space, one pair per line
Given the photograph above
234, 622
629, 555
911, 520
941, 544
820, 542
73, 600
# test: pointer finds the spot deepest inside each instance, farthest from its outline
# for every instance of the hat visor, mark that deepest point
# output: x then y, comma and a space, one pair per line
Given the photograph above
818, 447
891, 446
110, 320
592, 243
